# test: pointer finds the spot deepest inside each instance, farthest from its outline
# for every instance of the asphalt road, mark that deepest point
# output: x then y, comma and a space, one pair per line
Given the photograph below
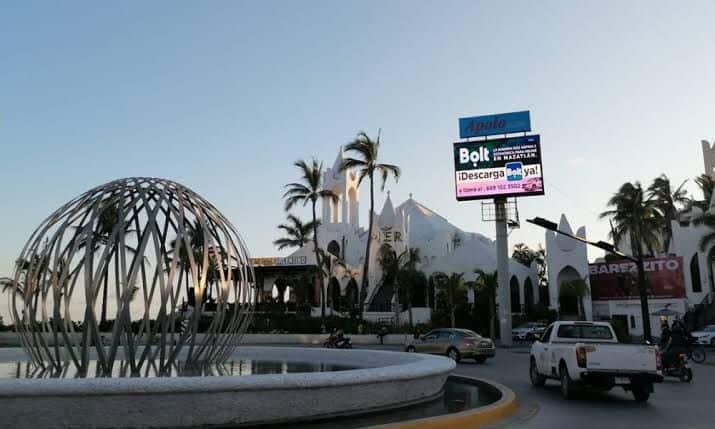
672, 405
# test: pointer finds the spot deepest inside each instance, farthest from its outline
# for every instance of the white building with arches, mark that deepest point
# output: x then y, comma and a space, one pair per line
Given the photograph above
567, 259
410, 224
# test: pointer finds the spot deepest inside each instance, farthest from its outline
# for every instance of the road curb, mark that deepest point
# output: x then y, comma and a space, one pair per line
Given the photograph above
505, 407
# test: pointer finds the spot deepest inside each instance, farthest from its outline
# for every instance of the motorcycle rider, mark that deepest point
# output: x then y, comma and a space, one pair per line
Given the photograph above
664, 335
332, 339
340, 338
677, 343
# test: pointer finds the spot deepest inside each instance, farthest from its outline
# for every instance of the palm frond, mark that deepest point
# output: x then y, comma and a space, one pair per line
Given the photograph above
283, 243
329, 195
385, 170
349, 163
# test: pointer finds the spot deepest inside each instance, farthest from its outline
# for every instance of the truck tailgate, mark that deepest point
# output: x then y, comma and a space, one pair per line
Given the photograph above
620, 357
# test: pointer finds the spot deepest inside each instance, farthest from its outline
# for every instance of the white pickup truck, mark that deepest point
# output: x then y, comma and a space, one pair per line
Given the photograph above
587, 355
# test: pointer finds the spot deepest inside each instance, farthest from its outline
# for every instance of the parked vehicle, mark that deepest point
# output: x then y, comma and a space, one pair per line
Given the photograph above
457, 344
587, 355
705, 336
528, 331
678, 368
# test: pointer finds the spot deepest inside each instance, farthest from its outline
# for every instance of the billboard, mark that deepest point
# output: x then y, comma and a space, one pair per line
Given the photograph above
500, 123
619, 280
508, 167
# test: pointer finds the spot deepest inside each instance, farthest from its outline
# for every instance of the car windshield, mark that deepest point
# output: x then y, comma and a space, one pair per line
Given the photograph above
587, 332
709, 328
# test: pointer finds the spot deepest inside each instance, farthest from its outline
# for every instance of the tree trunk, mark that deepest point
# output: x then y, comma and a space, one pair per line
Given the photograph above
397, 302
318, 262
450, 298
668, 236
364, 284
643, 292
492, 310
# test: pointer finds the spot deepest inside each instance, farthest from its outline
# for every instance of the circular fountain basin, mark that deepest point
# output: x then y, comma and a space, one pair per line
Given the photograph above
378, 381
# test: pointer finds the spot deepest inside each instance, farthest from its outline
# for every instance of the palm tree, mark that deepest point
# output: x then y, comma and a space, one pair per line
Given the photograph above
106, 222
196, 246
487, 286
406, 276
310, 191
298, 234
668, 202
635, 216
452, 285
366, 162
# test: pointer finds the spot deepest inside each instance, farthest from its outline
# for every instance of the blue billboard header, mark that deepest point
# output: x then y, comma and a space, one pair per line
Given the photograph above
500, 123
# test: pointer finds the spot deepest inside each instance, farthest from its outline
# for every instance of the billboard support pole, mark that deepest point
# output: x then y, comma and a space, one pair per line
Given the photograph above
503, 292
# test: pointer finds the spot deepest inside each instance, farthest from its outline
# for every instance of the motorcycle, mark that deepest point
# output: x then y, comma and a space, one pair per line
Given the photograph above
696, 352
333, 342
679, 368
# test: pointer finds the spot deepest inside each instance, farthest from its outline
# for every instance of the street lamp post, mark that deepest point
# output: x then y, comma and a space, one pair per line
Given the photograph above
608, 247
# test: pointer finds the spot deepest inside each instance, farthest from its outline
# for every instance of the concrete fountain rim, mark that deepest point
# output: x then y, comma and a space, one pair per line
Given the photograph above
374, 366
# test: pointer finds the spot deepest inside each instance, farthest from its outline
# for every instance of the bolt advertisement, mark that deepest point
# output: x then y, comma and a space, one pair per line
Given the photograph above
508, 167
618, 280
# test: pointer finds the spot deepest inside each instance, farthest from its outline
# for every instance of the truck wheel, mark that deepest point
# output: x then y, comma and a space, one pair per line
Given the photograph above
537, 379
567, 386
641, 393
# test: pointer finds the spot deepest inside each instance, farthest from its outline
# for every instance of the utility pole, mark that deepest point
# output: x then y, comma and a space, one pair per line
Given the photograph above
503, 292
608, 247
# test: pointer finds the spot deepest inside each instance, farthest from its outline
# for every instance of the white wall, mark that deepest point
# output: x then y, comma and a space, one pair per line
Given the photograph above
606, 309
563, 252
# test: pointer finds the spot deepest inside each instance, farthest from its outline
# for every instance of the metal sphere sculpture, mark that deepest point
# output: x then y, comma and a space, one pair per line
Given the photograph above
141, 271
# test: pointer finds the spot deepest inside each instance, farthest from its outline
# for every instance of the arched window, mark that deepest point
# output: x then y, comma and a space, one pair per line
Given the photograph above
334, 248
514, 289
528, 295
334, 294
695, 274
351, 294
544, 295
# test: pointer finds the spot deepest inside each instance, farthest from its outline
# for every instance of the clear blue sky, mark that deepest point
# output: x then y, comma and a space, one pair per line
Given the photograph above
224, 96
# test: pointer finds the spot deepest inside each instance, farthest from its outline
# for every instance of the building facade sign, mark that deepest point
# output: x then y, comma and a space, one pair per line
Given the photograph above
288, 260
618, 280
500, 123
388, 236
